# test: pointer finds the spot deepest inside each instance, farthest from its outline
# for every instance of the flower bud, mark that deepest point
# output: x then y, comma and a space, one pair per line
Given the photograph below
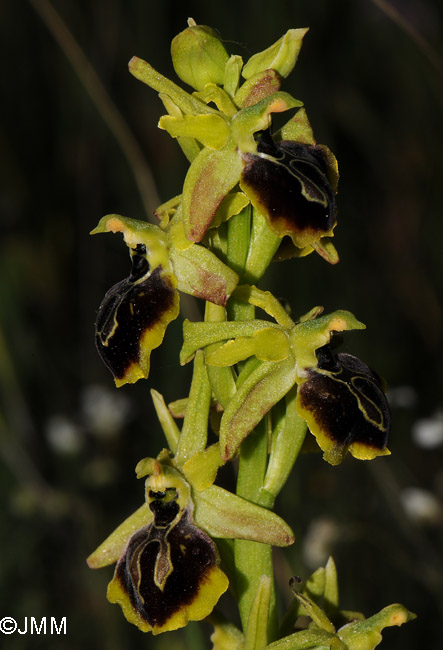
198, 56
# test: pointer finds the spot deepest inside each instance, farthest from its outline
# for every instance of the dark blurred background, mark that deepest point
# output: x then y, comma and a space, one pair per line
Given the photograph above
371, 77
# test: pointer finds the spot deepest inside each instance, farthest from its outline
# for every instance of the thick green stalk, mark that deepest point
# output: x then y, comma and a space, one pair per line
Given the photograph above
252, 560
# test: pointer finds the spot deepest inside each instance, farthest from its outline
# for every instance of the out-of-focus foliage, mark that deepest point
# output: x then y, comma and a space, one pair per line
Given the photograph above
68, 440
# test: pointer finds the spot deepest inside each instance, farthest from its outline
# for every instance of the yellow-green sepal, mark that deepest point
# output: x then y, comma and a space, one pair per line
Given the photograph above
308, 336
280, 56
223, 514
211, 130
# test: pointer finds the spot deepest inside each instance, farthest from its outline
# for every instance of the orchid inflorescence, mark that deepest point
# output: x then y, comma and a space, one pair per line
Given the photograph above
251, 195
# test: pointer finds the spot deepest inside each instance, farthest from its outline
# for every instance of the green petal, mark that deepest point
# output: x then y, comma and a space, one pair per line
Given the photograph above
218, 96
211, 176
211, 130
223, 514
264, 387
280, 56
198, 335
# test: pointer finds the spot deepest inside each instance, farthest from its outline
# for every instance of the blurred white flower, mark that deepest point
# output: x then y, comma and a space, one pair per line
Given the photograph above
319, 541
64, 435
403, 397
428, 432
105, 411
421, 506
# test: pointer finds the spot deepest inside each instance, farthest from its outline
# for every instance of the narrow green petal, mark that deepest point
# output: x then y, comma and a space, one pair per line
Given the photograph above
215, 94
267, 301
256, 396
198, 335
223, 514
211, 176
110, 550
268, 344
211, 130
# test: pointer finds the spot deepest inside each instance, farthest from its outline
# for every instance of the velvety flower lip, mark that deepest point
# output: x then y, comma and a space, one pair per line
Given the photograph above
132, 316
344, 405
288, 183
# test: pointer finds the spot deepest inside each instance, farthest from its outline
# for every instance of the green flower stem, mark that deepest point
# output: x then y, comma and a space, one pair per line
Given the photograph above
263, 246
252, 560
